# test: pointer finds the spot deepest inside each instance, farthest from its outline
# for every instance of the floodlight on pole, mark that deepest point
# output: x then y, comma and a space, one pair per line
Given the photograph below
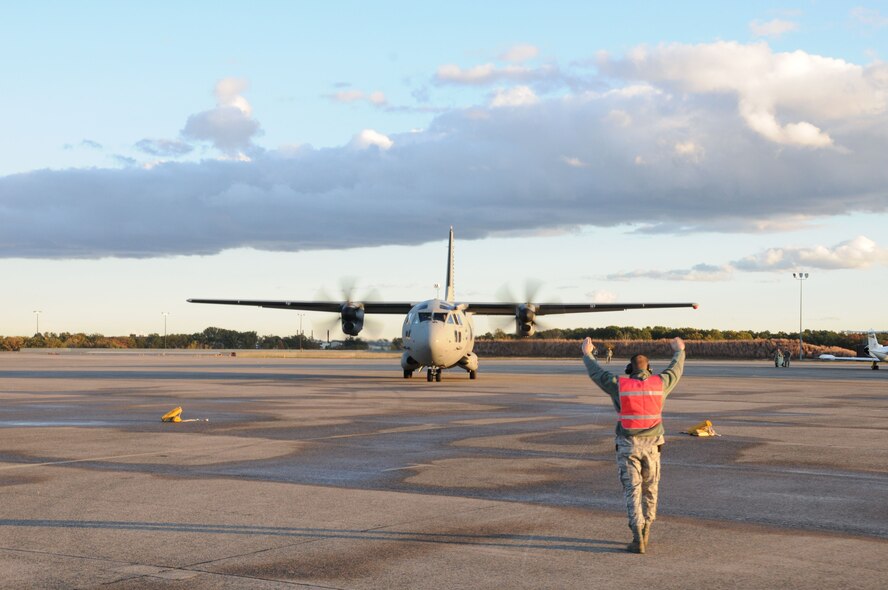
165, 314
801, 277
301, 315
37, 313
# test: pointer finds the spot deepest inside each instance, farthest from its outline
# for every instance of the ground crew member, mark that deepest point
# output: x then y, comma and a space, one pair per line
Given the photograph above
609, 356
638, 398
778, 358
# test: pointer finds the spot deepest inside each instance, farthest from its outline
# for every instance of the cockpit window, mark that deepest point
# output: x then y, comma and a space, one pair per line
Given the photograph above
450, 319
425, 316
440, 317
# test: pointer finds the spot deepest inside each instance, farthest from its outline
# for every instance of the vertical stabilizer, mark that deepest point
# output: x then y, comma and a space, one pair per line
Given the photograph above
449, 292
871, 340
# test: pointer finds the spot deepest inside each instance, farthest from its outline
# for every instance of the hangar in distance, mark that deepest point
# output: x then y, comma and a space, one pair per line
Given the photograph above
438, 333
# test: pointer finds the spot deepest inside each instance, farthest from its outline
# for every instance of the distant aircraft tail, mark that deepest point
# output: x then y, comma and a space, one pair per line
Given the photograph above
449, 295
871, 340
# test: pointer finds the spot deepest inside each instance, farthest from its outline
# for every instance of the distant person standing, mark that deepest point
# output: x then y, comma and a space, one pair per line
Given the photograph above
786, 356
609, 356
778, 358
638, 398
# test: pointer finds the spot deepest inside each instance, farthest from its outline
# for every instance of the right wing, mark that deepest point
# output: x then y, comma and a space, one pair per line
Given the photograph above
392, 307
832, 357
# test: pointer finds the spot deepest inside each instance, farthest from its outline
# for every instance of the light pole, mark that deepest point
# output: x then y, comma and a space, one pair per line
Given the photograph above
801, 277
37, 313
164, 314
301, 315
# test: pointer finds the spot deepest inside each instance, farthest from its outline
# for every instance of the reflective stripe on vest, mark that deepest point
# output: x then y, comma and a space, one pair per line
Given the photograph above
641, 402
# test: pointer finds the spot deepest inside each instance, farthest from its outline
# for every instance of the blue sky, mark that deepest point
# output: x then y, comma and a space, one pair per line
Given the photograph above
631, 152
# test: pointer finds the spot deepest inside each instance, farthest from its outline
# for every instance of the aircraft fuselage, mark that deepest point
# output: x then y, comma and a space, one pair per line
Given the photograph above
438, 335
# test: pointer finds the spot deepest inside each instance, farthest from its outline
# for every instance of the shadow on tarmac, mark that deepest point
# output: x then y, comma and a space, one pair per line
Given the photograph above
552, 543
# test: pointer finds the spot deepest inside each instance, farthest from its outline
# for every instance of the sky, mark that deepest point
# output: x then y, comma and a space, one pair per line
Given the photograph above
619, 152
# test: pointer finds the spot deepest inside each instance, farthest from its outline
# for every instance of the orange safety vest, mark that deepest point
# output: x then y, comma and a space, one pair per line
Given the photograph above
641, 402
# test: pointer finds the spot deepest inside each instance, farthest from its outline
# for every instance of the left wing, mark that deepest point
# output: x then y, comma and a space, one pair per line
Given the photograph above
559, 308
392, 307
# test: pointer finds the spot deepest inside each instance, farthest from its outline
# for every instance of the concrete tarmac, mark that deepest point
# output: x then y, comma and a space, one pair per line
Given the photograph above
339, 473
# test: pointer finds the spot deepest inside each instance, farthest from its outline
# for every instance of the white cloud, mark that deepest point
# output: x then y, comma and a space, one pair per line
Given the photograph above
167, 148
574, 162
689, 149
772, 28
513, 97
860, 252
369, 138
520, 53
561, 162
489, 73
869, 16
768, 86
698, 273
619, 117
602, 296
376, 98
230, 126
348, 96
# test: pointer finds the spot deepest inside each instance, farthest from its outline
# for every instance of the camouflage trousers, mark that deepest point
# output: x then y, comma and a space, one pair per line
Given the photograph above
638, 459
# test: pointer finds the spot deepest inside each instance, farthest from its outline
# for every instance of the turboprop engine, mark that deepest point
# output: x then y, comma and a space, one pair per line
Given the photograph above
352, 316
525, 314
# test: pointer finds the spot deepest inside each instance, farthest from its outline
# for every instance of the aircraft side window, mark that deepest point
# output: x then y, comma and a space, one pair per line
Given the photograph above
425, 316
440, 317
459, 319
450, 319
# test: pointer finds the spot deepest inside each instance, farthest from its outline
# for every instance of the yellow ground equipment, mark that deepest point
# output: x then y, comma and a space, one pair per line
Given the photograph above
704, 428
174, 415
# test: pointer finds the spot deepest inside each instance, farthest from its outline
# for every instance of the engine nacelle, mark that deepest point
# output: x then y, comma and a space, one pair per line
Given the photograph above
525, 315
352, 317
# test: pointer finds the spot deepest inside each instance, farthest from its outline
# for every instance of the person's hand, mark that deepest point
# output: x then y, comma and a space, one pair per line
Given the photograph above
677, 344
587, 347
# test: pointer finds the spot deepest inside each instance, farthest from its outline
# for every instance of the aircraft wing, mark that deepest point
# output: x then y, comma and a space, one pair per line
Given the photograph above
385, 307
559, 308
832, 357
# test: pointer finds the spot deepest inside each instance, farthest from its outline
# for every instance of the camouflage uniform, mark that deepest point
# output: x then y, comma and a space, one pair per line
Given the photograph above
638, 451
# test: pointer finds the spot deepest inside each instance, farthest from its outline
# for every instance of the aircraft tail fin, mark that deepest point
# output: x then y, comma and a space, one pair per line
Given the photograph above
871, 340
449, 292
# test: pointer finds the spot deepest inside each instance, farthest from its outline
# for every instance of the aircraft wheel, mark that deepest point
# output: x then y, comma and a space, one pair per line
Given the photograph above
875, 366
473, 374
429, 375
438, 376
408, 373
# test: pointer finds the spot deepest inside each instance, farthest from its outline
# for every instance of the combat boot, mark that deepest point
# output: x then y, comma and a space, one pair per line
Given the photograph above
646, 533
637, 545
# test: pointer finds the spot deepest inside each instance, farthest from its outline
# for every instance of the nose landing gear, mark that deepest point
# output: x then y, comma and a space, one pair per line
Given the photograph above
433, 374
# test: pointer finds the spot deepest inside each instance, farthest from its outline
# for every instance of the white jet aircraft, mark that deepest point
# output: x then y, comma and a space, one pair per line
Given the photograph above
438, 334
877, 352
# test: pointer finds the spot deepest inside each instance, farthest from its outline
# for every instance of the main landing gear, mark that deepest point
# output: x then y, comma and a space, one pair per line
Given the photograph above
875, 365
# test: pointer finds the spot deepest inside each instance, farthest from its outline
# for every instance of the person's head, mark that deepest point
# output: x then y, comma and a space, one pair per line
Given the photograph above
639, 362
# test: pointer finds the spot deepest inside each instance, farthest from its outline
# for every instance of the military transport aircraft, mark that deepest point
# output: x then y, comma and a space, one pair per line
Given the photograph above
877, 352
438, 334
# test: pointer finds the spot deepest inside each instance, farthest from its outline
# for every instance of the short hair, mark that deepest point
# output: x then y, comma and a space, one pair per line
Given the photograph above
639, 362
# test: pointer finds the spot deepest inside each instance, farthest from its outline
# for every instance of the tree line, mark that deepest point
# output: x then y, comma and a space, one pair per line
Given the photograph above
220, 338
848, 340
210, 338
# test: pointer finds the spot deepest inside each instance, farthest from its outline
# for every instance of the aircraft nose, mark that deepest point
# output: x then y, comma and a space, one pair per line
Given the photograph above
437, 342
